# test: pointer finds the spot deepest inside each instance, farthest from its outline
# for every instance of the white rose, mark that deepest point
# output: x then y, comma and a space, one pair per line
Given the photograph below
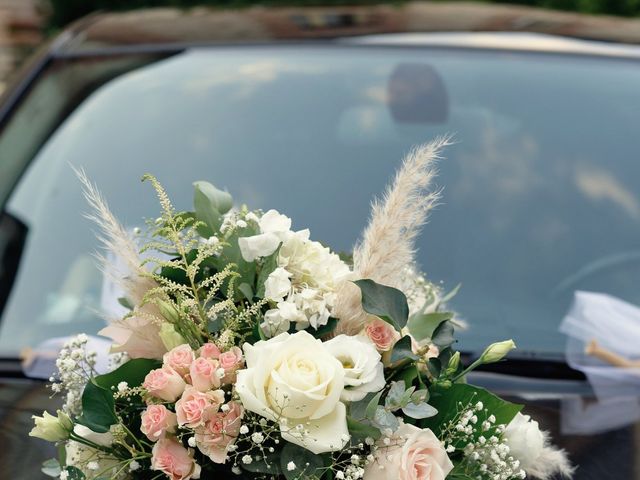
295, 381
277, 285
525, 440
363, 370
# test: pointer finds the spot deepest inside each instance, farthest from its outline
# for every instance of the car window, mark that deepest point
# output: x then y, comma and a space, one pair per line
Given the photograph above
541, 190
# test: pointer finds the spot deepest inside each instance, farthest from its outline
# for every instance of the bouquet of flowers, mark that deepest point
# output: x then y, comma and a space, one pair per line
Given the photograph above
251, 350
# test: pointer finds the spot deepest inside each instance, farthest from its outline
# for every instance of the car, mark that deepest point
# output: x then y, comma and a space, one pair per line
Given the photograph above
309, 111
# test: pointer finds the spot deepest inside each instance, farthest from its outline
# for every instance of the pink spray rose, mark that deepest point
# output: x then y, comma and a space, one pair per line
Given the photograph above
204, 374
164, 383
383, 335
210, 350
171, 458
179, 358
156, 420
194, 407
219, 433
414, 454
231, 361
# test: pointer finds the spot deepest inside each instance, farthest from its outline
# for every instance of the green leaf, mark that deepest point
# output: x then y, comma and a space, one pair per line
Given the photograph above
308, 465
372, 406
422, 326
394, 396
231, 254
246, 290
384, 419
324, 330
132, 372
443, 335
125, 302
420, 410
269, 265
359, 430
402, 350
75, 473
357, 410
210, 204
388, 303
420, 396
51, 468
98, 409
406, 396
446, 402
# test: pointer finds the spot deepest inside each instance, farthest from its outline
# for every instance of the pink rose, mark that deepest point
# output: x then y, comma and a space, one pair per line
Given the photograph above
156, 420
171, 458
231, 361
210, 350
180, 359
194, 408
416, 454
219, 433
204, 374
383, 335
164, 383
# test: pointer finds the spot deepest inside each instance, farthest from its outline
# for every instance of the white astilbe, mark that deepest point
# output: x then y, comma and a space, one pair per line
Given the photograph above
387, 245
551, 462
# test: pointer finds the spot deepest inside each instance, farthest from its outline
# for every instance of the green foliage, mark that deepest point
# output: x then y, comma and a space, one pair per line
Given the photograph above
98, 408
449, 402
132, 372
308, 466
387, 303
422, 326
210, 204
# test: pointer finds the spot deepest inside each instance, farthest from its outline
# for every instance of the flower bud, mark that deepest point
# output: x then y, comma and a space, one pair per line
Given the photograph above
170, 338
497, 351
50, 428
168, 311
454, 362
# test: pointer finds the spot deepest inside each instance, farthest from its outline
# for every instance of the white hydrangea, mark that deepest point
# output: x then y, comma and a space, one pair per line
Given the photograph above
304, 284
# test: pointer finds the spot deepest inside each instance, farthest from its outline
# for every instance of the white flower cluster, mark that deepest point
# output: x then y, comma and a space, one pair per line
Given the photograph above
75, 366
487, 453
304, 283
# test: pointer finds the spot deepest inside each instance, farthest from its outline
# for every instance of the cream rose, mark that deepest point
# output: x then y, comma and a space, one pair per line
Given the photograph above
294, 380
363, 369
414, 454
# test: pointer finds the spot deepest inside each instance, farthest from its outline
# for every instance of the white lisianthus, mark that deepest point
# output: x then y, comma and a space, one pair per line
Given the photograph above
277, 285
525, 440
295, 381
258, 246
362, 366
50, 428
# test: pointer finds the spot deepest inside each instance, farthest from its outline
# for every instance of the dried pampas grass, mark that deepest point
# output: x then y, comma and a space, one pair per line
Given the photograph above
387, 245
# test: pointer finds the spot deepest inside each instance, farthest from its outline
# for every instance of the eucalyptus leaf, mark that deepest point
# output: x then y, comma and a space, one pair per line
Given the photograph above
402, 350
51, 468
385, 420
357, 410
394, 396
387, 303
372, 406
360, 430
422, 326
420, 410
246, 290
210, 204
406, 396
443, 335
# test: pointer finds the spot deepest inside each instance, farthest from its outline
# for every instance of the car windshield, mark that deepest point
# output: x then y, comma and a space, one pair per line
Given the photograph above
541, 189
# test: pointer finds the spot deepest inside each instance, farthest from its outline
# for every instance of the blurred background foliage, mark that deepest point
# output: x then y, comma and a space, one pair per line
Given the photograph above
65, 11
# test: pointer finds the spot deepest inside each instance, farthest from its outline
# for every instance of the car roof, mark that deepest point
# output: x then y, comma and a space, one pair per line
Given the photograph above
450, 24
